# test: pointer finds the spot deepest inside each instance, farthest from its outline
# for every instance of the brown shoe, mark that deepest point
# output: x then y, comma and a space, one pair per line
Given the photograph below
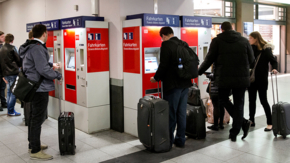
40, 156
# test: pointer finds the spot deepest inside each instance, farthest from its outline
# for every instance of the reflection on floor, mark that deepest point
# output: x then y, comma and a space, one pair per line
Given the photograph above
110, 146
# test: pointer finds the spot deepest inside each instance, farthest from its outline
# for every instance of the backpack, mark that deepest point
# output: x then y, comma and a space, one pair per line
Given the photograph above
188, 58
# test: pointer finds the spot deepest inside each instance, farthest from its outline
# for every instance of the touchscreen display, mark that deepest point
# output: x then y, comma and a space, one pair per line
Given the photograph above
71, 63
51, 59
151, 64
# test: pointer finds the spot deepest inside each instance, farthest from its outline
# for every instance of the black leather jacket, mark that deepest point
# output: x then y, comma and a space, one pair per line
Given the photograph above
9, 60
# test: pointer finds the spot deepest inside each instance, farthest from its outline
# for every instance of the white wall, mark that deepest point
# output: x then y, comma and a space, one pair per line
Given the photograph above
175, 7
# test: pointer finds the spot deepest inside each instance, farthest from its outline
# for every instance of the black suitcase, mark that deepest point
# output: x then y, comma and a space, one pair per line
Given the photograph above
280, 115
195, 121
153, 124
194, 95
66, 131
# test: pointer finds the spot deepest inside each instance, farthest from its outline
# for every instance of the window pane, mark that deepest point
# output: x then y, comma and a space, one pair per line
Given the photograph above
268, 12
228, 14
208, 7
229, 9
229, 4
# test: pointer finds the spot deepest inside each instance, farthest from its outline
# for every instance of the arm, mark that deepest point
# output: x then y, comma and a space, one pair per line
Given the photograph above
251, 57
42, 66
164, 62
210, 58
17, 59
272, 59
50, 64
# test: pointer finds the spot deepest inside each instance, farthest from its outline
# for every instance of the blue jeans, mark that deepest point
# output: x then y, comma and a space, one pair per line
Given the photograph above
11, 99
177, 99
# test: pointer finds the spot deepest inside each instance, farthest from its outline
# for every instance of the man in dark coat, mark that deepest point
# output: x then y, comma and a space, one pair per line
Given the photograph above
2, 83
175, 89
232, 55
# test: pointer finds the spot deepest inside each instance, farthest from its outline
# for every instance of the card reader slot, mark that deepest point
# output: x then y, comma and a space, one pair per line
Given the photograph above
71, 87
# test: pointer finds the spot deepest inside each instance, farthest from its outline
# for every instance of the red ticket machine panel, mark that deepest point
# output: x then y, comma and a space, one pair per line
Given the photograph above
69, 40
50, 46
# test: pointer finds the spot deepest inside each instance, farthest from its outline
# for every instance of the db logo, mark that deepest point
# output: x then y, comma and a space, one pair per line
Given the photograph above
205, 82
54, 38
77, 37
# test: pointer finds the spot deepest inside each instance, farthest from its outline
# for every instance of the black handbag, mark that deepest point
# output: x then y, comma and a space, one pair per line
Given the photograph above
23, 88
252, 72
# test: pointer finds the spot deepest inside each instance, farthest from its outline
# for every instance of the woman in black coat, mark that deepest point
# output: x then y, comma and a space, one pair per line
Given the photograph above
264, 50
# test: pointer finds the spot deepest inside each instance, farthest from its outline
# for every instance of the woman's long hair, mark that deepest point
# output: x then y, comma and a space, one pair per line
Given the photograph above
260, 41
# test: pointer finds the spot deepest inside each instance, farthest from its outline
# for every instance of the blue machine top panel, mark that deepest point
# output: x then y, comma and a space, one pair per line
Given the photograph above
29, 26
156, 19
195, 21
77, 22
51, 25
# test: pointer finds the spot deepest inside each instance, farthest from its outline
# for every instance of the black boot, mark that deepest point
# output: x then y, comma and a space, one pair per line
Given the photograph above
1, 109
213, 127
221, 126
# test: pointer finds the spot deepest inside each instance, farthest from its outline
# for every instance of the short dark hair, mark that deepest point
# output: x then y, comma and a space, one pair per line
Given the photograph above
9, 38
226, 26
38, 30
30, 34
166, 31
1, 33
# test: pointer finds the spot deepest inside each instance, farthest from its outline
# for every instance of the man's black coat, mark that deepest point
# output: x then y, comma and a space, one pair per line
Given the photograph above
232, 55
167, 70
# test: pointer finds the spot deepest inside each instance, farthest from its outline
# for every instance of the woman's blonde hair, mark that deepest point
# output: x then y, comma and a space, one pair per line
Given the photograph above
260, 41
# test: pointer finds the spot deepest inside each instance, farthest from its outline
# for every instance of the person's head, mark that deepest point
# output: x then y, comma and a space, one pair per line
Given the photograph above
30, 35
255, 38
40, 32
166, 33
2, 37
9, 38
226, 26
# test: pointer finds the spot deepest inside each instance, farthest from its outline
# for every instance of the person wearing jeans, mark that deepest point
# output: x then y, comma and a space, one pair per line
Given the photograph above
11, 99
175, 89
10, 63
177, 99
36, 64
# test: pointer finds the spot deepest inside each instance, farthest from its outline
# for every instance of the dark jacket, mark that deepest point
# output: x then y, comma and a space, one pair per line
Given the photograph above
262, 69
9, 60
35, 64
212, 88
22, 47
1, 46
167, 70
232, 55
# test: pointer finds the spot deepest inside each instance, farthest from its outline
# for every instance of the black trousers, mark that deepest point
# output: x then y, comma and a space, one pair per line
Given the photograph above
38, 114
218, 113
2, 92
264, 101
235, 110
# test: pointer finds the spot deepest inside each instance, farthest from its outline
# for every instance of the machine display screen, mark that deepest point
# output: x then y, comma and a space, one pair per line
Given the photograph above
71, 63
151, 64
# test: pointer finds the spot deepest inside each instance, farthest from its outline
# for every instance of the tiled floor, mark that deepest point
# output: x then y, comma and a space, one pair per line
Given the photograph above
110, 146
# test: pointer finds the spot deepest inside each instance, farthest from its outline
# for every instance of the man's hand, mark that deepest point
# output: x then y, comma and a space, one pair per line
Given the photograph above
153, 80
5, 80
56, 66
274, 71
60, 81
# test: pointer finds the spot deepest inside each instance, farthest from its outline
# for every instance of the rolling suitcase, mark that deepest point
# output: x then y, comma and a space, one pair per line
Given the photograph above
66, 131
153, 123
280, 115
195, 121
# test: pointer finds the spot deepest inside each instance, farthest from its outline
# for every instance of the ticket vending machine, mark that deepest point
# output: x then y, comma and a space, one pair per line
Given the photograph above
196, 31
86, 71
141, 55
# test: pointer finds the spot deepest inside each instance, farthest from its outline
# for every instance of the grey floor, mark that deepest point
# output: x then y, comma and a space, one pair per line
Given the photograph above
259, 147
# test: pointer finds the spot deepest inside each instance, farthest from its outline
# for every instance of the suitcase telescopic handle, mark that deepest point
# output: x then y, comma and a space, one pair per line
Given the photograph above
59, 94
273, 87
158, 91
